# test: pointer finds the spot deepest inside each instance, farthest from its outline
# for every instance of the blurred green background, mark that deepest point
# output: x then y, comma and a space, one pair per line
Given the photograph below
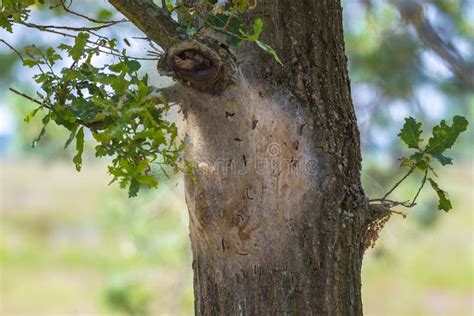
72, 245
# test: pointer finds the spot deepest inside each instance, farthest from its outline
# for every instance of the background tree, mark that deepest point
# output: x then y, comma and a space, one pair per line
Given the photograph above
198, 63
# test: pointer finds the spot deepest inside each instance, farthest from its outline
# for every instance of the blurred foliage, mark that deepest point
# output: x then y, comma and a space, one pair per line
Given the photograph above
128, 297
369, 56
97, 252
393, 72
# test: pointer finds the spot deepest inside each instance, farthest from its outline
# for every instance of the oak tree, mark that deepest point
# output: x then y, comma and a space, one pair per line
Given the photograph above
268, 140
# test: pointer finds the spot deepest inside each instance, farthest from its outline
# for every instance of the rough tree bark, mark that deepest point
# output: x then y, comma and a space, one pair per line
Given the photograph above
277, 211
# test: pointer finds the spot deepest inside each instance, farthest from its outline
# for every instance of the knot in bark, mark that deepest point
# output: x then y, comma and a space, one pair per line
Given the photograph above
204, 66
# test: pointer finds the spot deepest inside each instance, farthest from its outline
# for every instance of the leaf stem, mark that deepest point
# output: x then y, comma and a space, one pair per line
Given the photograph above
421, 187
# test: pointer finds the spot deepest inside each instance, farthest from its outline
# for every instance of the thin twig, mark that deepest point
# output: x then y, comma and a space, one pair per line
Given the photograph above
407, 204
391, 203
421, 187
66, 8
399, 182
71, 28
98, 35
93, 125
28, 97
404, 215
13, 49
113, 52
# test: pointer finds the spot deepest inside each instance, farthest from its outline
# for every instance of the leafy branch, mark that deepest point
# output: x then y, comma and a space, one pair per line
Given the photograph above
113, 103
443, 138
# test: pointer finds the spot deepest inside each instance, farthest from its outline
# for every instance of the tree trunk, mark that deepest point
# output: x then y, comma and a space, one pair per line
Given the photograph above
277, 212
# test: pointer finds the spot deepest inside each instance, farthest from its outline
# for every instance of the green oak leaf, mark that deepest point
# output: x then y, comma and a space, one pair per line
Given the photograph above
242, 4
30, 63
71, 138
257, 29
443, 160
80, 149
444, 136
104, 14
444, 202
30, 115
269, 50
46, 119
77, 50
133, 66
411, 132
133, 188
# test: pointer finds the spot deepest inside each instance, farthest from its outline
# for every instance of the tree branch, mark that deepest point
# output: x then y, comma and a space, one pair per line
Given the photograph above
71, 28
151, 20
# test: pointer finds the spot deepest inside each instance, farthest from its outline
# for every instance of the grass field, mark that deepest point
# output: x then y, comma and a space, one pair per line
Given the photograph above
71, 245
